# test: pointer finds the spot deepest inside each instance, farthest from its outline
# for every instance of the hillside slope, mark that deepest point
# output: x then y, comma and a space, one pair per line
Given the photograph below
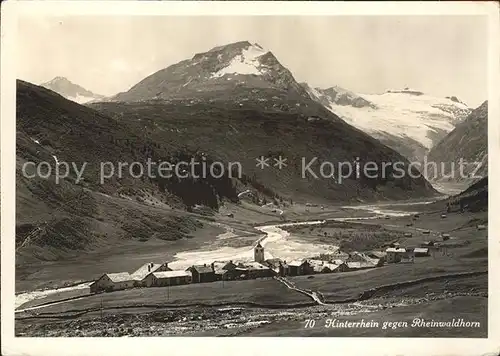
408, 121
468, 141
59, 219
474, 198
240, 135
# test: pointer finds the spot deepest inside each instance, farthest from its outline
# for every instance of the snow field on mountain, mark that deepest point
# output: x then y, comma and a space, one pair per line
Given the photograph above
245, 63
80, 99
401, 115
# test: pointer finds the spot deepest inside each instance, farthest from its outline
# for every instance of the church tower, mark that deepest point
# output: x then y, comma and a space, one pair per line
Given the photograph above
258, 253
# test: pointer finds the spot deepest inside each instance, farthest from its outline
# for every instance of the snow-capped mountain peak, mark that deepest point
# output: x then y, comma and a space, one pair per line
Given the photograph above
222, 68
57, 80
245, 63
71, 91
407, 120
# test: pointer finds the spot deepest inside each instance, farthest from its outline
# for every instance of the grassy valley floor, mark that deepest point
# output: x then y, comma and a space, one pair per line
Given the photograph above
128, 255
450, 284
286, 313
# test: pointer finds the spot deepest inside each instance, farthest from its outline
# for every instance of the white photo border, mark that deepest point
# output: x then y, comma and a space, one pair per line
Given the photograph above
11, 345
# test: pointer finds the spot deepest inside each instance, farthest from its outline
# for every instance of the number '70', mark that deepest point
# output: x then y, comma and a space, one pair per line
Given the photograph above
310, 323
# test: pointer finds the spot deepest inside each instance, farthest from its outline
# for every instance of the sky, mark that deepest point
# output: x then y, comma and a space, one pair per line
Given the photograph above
438, 55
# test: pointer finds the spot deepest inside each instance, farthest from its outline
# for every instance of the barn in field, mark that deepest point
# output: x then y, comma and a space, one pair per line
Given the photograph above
277, 266
283, 269
299, 268
363, 257
225, 270
228, 266
167, 278
394, 255
421, 251
202, 273
359, 265
338, 267
252, 270
409, 255
377, 254
222, 274
146, 269
112, 281
320, 266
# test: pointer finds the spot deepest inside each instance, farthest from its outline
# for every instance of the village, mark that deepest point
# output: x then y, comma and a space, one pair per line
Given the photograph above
161, 275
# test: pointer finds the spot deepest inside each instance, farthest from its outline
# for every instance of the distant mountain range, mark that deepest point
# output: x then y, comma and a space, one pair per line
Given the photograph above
408, 121
71, 91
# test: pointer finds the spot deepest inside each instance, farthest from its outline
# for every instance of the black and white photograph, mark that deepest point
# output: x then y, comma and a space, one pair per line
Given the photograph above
250, 176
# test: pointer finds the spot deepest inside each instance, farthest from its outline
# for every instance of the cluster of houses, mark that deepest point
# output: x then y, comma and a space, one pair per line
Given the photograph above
396, 254
158, 275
